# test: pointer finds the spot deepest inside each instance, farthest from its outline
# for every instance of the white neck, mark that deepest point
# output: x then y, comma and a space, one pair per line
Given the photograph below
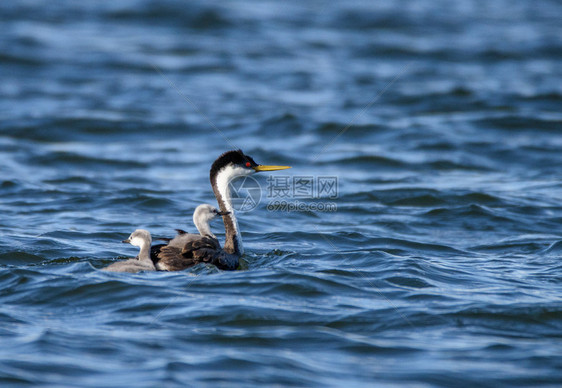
222, 180
144, 254
203, 226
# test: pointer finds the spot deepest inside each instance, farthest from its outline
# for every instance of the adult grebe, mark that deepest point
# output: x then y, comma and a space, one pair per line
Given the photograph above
140, 238
229, 166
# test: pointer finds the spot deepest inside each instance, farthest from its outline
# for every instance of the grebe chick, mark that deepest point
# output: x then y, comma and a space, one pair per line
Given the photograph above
140, 238
202, 216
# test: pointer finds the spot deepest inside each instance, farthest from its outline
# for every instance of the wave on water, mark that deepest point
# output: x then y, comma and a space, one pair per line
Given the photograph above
438, 125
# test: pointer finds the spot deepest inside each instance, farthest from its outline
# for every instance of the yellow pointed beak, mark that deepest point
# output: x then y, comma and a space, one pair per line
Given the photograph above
259, 168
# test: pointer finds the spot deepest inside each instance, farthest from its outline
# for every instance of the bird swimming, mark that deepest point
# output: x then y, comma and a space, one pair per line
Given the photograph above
202, 216
226, 168
140, 238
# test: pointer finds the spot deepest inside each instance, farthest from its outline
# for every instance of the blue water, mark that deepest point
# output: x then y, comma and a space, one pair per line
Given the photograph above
440, 121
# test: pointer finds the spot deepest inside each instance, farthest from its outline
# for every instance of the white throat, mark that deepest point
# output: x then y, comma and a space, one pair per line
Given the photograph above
202, 224
223, 179
144, 244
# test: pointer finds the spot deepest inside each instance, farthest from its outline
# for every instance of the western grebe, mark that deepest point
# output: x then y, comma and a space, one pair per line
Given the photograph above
229, 166
140, 238
202, 216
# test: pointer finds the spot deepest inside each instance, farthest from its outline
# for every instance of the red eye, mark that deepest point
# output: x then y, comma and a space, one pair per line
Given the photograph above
248, 164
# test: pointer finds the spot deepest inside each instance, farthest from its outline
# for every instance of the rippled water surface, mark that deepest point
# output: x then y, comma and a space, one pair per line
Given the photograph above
440, 120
